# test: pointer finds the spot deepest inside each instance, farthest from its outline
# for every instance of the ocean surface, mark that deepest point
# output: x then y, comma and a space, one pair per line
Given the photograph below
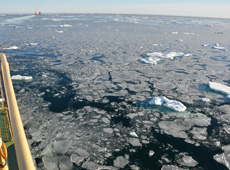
87, 106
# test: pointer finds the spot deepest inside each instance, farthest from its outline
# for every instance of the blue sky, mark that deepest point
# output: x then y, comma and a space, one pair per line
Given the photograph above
207, 8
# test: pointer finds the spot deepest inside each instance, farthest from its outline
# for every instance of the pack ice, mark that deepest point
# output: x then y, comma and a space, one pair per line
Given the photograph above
171, 104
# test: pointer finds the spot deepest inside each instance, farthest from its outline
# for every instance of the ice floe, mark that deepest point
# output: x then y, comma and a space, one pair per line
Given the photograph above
205, 100
219, 88
170, 55
59, 31
65, 25
149, 60
20, 77
217, 46
120, 162
175, 128
171, 104
186, 160
133, 134
224, 158
11, 48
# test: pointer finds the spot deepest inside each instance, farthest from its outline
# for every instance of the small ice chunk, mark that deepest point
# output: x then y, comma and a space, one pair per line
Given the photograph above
59, 31
134, 141
151, 153
175, 105
133, 134
170, 55
219, 87
76, 159
50, 163
33, 44
171, 167
224, 158
108, 130
187, 55
65, 25
187, 161
228, 96
205, 45
172, 104
205, 100
120, 162
58, 146
19, 77
217, 46
174, 32
179, 40
156, 101
149, 60
11, 48
65, 163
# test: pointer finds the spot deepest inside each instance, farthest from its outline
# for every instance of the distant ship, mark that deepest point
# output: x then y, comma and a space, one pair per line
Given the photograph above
37, 13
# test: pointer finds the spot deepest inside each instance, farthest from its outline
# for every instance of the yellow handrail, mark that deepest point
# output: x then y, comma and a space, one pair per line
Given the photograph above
25, 161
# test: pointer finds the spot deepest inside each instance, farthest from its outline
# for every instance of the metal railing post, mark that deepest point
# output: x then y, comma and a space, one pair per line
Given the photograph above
25, 161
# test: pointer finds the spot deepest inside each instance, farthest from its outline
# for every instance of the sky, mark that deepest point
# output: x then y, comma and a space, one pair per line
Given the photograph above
203, 8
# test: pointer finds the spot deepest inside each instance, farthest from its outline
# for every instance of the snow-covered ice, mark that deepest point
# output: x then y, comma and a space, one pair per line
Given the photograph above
11, 48
219, 87
171, 104
20, 77
149, 60
170, 55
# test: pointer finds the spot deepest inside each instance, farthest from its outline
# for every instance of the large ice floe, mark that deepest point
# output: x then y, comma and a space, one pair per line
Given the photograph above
154, 57
149, 60
219, 88
171, 104
11, 48
217, 46
170, 55
20, 77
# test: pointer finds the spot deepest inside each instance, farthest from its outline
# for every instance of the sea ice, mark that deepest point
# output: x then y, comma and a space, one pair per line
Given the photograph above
120, 162
219, 87
76, 159
224, 158
50, 163
205, 100
175, 128
217, 46
172, 104
171, 167
65, 25
170, 55
156, 101
175, 105
133, 134
11, 48
186, 160
65, 163
19, 77
149, 60
151, 153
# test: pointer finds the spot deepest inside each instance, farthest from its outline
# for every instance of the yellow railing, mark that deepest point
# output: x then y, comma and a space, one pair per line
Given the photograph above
25, 161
